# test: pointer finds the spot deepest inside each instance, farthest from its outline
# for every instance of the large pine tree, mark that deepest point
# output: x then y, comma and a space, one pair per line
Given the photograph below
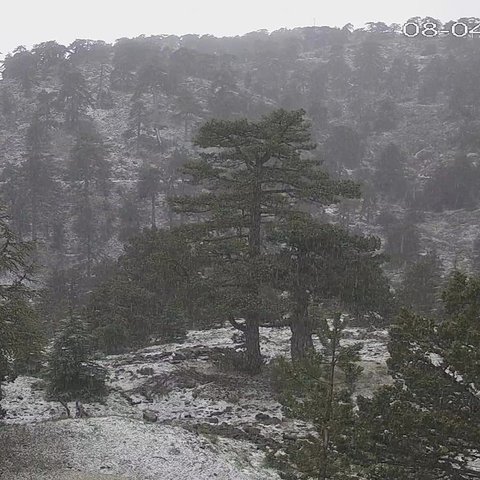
325, 263
20, 338
253, 173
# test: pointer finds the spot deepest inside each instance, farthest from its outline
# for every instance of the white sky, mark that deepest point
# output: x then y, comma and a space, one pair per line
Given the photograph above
26, 22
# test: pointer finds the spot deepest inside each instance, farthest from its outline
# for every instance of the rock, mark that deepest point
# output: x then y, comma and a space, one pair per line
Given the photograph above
267, 419
145, 371
212, 420
251, 430
150, 416
188, 383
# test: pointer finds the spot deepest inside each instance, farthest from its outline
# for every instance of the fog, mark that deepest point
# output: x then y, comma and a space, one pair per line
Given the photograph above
31, 21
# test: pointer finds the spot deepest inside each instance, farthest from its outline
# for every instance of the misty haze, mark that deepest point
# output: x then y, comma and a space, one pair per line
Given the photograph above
240, 256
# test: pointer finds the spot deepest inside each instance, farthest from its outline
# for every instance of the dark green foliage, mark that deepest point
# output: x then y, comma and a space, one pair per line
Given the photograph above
21, 340
71, 374
318, 389
426, 424
153, 292
421, 285
460, 332
257, 175
327, 264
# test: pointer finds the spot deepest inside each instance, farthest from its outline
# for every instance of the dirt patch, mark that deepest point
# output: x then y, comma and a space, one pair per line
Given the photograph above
24, 448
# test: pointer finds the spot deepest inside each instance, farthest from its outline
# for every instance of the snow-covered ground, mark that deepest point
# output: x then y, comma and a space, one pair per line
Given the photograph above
212, 423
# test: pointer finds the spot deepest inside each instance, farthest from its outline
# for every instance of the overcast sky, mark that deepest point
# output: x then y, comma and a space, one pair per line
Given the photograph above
27, 22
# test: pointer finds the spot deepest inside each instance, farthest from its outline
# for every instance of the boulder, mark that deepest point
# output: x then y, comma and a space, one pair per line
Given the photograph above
150, 416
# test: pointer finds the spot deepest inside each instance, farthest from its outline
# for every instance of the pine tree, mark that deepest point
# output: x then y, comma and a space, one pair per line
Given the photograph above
16, 203
21, 66
140, 131
319, 390
50, 56
421, 285
154, 291
256, 175
74, 97
71, 372
325, 263
149, 185
38, 173
426, 424
187, 107
20, 339
89, 172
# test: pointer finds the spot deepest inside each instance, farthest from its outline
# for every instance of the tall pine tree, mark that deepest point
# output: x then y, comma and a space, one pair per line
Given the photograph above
253, 173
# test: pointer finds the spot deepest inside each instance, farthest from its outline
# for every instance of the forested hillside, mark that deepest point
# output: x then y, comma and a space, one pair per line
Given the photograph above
399, 114
204, 225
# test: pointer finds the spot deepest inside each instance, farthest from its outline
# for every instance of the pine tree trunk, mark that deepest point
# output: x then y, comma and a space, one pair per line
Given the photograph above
328, 413
252, 344
301, 342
